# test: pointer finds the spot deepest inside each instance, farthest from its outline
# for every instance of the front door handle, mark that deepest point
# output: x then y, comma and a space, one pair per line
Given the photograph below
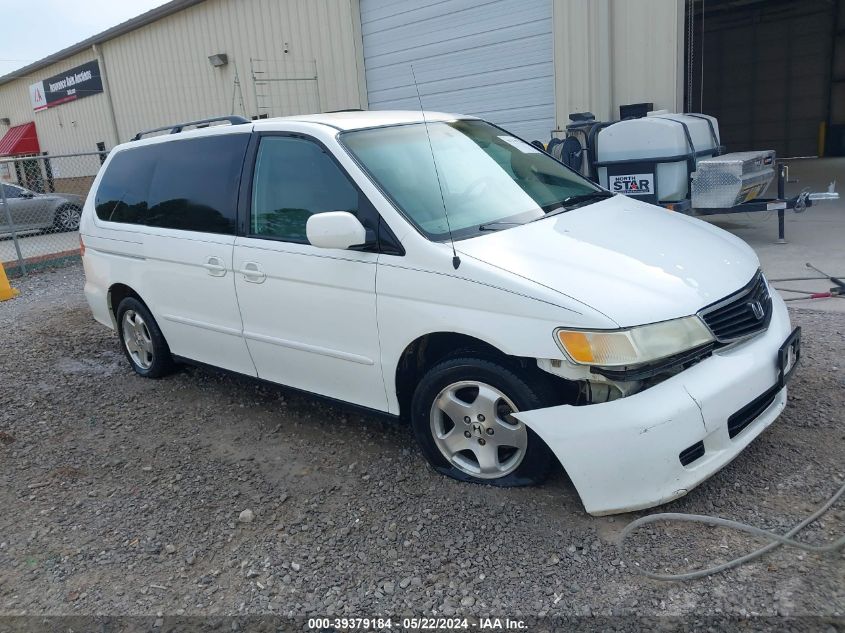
215, 267
252, 273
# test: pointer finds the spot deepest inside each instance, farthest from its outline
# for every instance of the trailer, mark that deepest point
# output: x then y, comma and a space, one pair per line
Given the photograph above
677, 161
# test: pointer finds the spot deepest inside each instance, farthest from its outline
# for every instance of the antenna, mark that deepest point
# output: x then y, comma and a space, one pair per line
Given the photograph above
456, 261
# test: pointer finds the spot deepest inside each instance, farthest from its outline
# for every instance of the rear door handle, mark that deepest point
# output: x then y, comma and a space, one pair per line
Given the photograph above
214, 266
252, 273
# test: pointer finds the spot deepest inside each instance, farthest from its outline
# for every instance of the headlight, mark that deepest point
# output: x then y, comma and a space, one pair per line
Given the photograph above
634, 346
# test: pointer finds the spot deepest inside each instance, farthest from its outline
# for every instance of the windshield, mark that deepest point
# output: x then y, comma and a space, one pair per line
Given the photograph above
490, 180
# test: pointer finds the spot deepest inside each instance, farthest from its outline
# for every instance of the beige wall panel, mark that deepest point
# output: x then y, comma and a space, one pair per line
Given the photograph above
647, 53
613, 52
582, 58
160, 74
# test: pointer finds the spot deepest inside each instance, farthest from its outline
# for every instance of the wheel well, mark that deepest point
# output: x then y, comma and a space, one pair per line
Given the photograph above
117, 293
428, 350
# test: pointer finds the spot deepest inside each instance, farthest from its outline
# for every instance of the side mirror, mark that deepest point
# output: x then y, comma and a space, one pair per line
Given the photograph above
335, 229
27, 194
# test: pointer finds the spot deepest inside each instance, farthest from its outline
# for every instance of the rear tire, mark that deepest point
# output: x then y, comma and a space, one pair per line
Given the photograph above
142, 340
67, 218
461, 414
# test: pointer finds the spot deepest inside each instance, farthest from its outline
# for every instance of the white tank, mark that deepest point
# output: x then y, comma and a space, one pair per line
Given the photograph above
656, 136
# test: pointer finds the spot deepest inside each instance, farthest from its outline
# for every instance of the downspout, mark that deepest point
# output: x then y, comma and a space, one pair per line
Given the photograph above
107, 89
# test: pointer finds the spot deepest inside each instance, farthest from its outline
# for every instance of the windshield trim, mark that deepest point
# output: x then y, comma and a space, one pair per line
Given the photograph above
456, 235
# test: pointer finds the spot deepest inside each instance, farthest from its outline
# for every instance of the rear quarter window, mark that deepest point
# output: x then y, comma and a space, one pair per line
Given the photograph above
189, 184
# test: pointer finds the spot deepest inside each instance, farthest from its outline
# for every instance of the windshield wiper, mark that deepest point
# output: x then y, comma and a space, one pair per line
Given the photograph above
497, 226
567, 204
585, 197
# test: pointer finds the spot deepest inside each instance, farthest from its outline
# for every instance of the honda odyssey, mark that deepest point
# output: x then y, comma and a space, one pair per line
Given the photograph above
437, 268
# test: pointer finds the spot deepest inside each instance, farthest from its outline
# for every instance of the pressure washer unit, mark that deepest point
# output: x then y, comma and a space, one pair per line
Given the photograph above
678, 161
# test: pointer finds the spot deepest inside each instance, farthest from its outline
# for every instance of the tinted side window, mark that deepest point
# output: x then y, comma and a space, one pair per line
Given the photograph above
189, 184
12, 191
122, 194
294, 179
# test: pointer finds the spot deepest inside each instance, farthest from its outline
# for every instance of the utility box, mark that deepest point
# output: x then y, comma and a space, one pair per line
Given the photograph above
725, 181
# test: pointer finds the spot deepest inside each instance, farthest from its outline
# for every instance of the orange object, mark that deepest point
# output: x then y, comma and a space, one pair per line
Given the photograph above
6, 290
577, 345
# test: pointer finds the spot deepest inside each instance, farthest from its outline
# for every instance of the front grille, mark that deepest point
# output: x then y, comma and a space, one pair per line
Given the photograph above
689, 455
742, 314
750, 412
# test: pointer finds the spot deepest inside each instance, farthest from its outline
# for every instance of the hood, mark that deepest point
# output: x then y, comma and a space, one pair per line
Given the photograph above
634, 262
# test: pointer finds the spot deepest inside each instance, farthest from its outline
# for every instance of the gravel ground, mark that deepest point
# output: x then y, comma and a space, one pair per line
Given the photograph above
204, 494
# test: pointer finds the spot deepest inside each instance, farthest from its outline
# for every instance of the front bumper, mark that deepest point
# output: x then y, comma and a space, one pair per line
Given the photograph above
623, 455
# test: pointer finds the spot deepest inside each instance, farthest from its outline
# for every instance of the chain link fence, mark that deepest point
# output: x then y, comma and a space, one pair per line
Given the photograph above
41, 201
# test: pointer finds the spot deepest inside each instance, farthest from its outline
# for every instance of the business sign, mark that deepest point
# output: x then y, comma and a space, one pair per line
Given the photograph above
76, 83
633, 184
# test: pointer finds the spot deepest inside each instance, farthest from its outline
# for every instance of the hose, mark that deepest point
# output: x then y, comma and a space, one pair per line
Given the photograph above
833, 292
802, 279
777, 539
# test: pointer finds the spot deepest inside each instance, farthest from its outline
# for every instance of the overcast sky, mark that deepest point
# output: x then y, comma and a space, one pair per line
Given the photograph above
33, 29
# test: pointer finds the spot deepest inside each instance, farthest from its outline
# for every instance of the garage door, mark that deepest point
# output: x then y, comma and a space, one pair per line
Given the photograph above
491, 59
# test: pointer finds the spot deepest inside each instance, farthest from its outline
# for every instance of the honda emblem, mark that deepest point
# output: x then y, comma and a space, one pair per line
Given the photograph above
756, 309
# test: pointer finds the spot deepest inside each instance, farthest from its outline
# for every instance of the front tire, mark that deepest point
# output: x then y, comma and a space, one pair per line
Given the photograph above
142, 340
462, 416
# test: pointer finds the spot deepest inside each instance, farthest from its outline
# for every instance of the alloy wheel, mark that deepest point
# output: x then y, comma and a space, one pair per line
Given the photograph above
473, 427
67, 218
137, 339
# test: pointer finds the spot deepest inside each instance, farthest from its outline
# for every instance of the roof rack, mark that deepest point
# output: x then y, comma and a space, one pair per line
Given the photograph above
175, 129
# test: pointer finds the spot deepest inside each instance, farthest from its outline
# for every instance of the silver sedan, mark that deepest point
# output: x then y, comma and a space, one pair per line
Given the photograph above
32, 211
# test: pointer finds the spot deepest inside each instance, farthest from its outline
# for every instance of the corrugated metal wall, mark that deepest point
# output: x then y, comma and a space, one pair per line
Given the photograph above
491, 59
614, 52
523, 63
160, 73
647, 40
317, 35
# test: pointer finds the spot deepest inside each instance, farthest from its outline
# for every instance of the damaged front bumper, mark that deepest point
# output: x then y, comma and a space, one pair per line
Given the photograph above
627, 454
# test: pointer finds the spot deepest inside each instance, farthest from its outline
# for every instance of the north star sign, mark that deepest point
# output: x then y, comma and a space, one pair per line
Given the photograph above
76, 83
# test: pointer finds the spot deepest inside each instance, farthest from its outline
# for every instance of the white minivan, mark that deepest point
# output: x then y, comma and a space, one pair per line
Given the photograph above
436, 267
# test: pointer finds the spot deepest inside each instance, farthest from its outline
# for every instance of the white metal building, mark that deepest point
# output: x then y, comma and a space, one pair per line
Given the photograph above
522, 63
155, 69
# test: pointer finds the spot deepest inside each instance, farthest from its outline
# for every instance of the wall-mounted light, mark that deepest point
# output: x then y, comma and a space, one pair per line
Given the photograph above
218, 59
5, 121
